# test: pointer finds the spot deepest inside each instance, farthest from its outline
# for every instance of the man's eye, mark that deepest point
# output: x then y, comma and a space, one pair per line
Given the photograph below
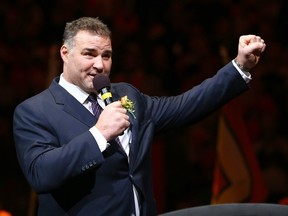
106, 56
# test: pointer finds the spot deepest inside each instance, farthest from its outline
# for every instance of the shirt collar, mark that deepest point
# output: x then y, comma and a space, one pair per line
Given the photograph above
74, 90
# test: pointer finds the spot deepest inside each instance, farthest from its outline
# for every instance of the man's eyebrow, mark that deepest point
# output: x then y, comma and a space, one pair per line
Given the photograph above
108, 51
90, 49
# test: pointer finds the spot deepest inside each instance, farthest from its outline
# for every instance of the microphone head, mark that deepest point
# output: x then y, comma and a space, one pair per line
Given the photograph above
101, 81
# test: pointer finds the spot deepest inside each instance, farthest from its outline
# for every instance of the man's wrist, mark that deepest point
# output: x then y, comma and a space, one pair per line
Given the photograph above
245, 74
100, 139
241, 67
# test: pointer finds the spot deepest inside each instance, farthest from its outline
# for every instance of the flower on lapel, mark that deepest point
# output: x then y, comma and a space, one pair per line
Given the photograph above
128, 105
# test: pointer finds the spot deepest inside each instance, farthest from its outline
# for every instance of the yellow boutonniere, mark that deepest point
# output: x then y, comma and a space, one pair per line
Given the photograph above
128, 105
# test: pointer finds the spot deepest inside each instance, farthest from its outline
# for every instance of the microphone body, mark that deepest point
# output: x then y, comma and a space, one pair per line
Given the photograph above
102, 85
106, 95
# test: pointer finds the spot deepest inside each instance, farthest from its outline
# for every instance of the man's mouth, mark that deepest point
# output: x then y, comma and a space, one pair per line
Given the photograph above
92, 75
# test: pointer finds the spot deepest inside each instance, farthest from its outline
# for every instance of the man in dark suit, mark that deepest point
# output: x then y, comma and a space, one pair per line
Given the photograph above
71, 158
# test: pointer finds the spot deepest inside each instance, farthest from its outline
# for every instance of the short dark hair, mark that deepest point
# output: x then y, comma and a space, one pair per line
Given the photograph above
90, 24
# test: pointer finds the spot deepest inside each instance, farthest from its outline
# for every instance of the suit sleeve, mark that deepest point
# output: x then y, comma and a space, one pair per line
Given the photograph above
47, 160
199, 101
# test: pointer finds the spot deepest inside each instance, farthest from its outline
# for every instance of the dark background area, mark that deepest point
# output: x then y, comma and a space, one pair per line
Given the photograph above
163, 47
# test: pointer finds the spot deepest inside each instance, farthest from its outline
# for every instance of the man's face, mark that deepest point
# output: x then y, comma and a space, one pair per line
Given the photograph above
90, 55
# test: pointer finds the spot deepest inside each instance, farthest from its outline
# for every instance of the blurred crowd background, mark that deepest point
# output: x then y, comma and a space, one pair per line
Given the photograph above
163, 47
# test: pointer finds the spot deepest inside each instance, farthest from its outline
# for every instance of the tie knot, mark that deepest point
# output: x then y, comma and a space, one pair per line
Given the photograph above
92, 98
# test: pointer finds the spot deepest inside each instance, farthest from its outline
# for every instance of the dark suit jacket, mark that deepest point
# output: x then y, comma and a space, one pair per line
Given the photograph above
63, 163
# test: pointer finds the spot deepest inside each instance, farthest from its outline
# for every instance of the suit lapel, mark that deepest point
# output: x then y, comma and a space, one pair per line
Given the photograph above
70, 104
77, 110
117, 94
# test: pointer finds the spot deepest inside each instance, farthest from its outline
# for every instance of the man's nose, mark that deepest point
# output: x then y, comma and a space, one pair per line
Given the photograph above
98, 64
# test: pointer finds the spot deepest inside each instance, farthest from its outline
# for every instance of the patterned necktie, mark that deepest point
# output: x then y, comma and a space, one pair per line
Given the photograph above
96, 108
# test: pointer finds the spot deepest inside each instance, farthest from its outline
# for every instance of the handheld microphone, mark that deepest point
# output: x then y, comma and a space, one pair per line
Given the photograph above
102, 85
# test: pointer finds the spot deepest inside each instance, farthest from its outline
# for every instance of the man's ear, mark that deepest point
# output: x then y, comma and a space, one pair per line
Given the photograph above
64, 52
